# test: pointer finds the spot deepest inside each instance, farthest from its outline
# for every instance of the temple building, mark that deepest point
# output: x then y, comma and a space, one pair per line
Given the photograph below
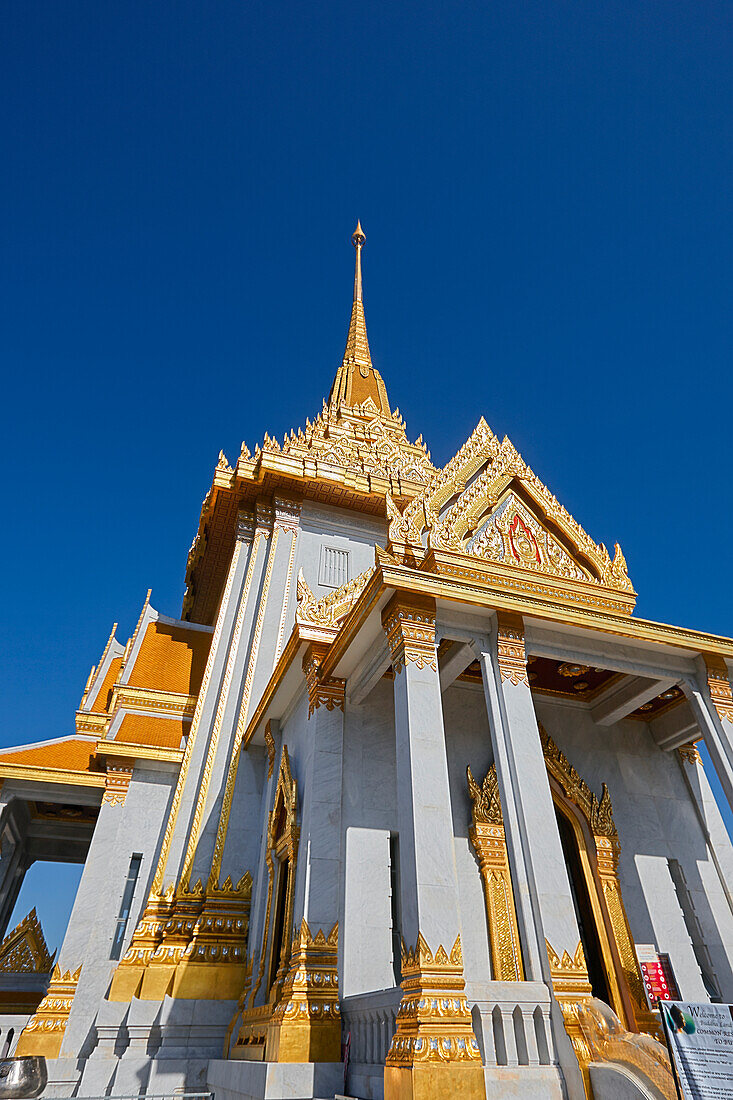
405, 805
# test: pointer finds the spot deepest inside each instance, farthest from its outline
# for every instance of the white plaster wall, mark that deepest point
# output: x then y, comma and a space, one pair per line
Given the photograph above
369, 814
323, 525
468, 742
135, 827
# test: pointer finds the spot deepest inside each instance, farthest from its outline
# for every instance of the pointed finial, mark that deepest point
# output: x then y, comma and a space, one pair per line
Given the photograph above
357, 239
356, 380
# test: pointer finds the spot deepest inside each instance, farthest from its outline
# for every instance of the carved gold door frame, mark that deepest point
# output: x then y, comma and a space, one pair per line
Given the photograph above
598, 847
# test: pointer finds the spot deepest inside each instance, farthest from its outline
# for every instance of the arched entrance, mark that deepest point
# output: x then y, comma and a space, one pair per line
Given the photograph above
591, 849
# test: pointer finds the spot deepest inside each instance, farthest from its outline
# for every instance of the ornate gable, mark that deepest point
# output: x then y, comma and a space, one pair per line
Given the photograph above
487, 506
24, 950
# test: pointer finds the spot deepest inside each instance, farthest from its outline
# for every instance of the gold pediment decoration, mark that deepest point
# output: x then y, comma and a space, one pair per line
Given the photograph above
487, 516
598, 812
24, 950
334, 606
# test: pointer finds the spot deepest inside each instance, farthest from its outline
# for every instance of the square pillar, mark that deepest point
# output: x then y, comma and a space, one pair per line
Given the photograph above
711, 700
306, 1023
434, 1053
548, 927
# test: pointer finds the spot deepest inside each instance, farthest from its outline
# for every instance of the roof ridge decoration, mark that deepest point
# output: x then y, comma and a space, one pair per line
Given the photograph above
487, 504
24, 950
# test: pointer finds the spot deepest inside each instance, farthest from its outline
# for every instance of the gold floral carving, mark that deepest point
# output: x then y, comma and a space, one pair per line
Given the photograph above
488, 504
599, 814
44, 1032
270, 743
448, 483
434, 1052
720, 688
512, 535
489, 841
570, 982
24, 950
510, 645
410, 630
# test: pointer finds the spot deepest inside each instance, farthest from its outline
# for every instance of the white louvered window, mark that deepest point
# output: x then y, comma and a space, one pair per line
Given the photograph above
334, 569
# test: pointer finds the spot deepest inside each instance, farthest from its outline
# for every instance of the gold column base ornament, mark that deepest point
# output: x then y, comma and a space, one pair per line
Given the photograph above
148, 935
302, 1021
213, 966
572, 989
44, 1032
434, 1054
190, 944
489, 842
306, 1023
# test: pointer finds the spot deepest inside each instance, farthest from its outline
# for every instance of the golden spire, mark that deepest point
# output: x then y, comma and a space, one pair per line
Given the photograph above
356, 379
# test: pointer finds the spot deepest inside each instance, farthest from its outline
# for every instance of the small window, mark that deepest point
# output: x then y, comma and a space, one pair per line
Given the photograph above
126, 906
334, 569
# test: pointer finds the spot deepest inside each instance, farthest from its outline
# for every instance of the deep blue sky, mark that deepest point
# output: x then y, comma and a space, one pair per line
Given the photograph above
545, 189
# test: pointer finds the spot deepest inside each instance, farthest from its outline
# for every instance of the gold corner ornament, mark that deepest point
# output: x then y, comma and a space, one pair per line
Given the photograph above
690, 753
489, 842
409, 623
331, 609
44, 1032
117, 784
433, 1054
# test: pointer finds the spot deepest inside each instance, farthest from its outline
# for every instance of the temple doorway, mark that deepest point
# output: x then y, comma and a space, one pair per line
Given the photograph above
583, 909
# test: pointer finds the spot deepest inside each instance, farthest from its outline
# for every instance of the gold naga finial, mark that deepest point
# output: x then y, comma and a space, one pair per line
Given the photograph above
356, 379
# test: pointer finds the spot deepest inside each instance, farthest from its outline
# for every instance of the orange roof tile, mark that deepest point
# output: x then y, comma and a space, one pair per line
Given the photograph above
171, 658
103, 697
148, 729
72, 754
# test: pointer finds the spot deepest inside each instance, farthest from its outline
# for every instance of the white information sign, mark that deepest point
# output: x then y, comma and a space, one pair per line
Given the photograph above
701, 1041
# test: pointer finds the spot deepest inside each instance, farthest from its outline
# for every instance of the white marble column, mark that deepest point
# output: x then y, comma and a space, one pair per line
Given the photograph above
545, 911
429, 880
434, 1052
711, 699
319, 870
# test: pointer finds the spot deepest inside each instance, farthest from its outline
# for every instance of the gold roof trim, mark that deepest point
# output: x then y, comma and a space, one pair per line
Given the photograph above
331, 608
